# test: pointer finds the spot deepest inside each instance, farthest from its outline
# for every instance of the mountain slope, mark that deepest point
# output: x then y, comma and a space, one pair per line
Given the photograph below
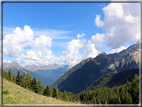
113, 79
14, 94
79, 77
86, 72
15, 67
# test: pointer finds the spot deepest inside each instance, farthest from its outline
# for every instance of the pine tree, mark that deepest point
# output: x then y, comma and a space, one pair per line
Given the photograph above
29, 80
128, 98
134, 91
9, 75
34, 85
21, 80
47, 91
25, 83
40, 87
65, 95
5, 74
55, 92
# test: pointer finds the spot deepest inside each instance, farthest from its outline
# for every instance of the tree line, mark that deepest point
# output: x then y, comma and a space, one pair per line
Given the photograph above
125, 94
29, 83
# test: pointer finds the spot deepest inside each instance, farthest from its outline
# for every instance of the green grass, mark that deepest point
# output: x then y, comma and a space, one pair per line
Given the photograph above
14, 94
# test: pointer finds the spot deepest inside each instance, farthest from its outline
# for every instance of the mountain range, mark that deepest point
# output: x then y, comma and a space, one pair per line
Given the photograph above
47, 76
85, 74
35, 67
82, 75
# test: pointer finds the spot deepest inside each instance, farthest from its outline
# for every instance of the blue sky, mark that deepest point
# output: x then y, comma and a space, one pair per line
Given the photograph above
66, 33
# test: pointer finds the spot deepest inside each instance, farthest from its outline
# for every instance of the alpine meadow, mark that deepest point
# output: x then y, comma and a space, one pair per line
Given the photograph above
71, 53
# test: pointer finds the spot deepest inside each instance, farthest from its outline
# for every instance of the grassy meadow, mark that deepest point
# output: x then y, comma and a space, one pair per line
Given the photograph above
14, 94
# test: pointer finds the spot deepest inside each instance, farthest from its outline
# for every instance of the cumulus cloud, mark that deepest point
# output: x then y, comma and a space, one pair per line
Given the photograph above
117, 50
71, 54
121, 23
40, 52
90, 50
80, 35
98, 22
98, 39
14, 43
6, 61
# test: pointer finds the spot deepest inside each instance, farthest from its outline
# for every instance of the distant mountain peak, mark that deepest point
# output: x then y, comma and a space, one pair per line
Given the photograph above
13, 62
102, 53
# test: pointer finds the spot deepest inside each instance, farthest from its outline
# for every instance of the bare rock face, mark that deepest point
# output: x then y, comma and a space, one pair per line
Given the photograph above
11, 65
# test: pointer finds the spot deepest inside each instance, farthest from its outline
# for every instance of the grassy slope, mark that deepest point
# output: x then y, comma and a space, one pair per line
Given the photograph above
14, 94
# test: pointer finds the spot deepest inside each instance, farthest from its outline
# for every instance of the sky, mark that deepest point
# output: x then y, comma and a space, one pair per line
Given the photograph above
67, 33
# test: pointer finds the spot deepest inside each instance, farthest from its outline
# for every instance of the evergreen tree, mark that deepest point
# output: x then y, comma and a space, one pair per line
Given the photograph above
65, 95
5, 74
34, 85
29, 80
47, 91
40, 87
25, 80
128, 98
55, 92
134, 91
9, 75
21, 80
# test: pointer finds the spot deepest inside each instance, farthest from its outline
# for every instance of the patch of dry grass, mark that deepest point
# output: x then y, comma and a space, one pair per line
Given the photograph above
14, 94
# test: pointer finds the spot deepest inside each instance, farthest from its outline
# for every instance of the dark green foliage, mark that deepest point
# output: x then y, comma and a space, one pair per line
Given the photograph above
34, 85
40, 87
29, 80
45, 81
65, 97
135, 89
9, 75
125, 94
21, 80
5, 74
25, 80
18, 79
113, 79
47, 91
55, 92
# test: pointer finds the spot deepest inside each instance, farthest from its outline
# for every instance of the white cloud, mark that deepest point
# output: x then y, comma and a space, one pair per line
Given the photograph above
14, 43
40, 52
98, 22
121, 23
6, 61
90, 50
71, 54
80, 35
117, 50
98, 38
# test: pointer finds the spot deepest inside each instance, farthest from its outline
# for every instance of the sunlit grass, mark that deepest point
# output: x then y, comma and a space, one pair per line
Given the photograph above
14, 94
